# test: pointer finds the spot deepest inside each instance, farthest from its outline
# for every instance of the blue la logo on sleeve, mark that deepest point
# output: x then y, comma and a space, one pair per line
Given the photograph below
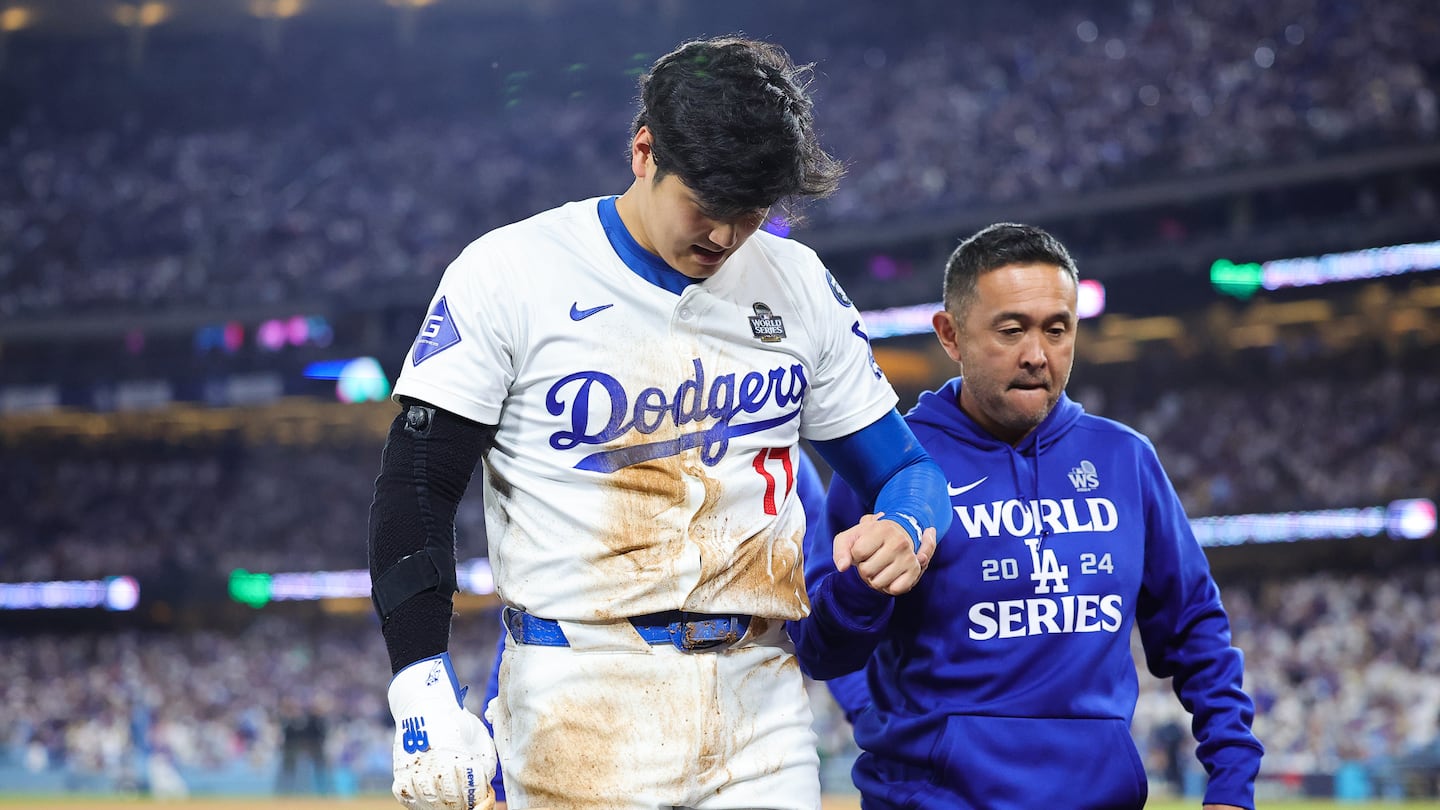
437, 335
836, 290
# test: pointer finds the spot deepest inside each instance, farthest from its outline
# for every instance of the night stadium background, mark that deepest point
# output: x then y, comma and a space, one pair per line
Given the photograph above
220, 223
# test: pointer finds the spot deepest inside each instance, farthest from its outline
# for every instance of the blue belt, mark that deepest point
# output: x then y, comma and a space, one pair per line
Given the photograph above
689, 632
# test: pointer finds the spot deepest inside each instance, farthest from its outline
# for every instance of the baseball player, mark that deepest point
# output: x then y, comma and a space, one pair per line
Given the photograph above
635, 373
1005, 680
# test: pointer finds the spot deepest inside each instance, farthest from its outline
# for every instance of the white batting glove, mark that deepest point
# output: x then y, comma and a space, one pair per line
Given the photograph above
444, 757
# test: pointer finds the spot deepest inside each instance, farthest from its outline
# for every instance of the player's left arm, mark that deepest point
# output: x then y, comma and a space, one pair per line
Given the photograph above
1186, 635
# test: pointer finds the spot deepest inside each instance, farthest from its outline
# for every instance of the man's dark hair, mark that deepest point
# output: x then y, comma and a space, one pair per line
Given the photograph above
994, 247
733, 120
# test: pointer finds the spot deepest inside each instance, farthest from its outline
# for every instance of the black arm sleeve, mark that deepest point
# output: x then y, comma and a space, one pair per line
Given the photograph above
430, 455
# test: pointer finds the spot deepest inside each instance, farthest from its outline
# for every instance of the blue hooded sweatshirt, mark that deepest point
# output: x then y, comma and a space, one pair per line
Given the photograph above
1005, 680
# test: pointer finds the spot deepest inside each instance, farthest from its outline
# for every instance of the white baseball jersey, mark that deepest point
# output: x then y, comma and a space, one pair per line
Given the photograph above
646, 438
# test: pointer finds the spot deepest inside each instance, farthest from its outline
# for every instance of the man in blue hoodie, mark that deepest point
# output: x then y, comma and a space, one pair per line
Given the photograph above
1005, 680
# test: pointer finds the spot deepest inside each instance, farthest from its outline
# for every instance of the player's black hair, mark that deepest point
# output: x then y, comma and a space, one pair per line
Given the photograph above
994, 247
732, 118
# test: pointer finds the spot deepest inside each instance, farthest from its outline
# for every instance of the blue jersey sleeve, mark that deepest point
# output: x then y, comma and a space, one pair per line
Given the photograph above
1186, 636
885, 463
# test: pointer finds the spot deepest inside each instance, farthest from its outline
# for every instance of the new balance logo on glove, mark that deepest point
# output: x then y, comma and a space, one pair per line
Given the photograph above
442, 754
415, 739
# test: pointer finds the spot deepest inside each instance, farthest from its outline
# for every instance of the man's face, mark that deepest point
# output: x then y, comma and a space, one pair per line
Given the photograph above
667, 220
1015, 345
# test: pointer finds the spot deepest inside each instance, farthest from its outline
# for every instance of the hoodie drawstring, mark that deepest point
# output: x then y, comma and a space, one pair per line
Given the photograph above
1044, 530
1015, 475
1033, 501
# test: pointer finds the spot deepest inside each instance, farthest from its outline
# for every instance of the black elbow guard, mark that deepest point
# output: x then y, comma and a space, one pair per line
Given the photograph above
429, 457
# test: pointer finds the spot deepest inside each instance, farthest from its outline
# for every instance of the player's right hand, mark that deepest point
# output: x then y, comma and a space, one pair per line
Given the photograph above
883, 554
444, 757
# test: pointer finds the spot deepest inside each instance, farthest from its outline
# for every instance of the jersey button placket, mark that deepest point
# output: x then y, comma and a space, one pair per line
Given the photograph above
686, 315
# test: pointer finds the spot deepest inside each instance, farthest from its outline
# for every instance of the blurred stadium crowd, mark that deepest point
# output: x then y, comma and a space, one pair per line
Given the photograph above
279, 706
339, 164
219, 174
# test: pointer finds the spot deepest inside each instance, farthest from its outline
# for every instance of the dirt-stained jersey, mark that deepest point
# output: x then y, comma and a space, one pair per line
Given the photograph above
646, 446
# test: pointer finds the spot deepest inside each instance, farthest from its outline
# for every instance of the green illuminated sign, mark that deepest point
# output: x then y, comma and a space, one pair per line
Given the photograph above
1239, 280
249, 589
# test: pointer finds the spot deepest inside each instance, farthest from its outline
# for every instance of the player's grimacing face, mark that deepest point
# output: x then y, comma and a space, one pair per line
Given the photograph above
1015, 346
664, 216
686, 237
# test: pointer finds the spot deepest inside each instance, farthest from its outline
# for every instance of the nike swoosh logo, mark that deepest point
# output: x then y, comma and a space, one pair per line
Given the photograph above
962, 490
578, 314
